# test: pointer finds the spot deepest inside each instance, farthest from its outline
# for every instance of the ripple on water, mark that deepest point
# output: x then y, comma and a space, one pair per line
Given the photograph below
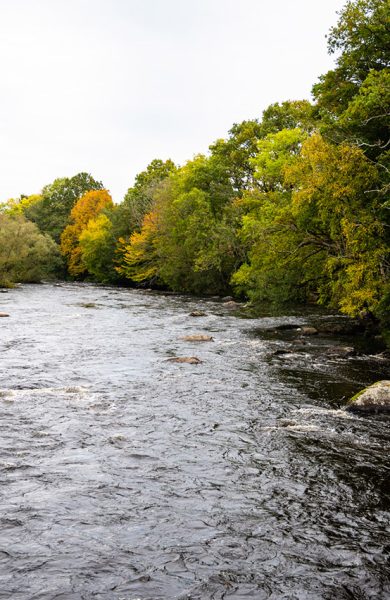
123, 476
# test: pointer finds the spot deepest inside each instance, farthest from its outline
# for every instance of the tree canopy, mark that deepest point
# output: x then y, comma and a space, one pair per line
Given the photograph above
292, 206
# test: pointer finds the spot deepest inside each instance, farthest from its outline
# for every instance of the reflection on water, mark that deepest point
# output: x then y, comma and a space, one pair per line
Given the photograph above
124, 476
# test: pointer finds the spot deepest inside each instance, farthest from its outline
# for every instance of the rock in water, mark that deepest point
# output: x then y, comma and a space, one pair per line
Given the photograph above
191, 360
197, 313
4, 314
231, 304
281, 352
341, 351
308, 331
346, 328
374, 399
198, 338
287, 327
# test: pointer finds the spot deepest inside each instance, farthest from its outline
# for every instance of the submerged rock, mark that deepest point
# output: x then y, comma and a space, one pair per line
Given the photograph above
342, 351
231, 304
191, 360
299, 342
346, 328
374, 399
197, 338
382, 355
288, 327
281, 352
308, 331
197, 313
286, 423
296, 329
4, 314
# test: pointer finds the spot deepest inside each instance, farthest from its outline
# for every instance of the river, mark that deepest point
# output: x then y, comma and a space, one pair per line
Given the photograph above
128, 477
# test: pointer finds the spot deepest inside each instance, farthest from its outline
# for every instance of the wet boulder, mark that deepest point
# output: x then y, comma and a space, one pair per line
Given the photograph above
373, 399
308, 331
281, 352
231, 304
197, 313
2, 314
341, 351
345, 328
288, 327
191, 360
197, 338
385, 355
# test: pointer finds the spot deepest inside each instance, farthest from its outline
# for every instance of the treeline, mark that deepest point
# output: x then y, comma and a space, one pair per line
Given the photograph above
290, 207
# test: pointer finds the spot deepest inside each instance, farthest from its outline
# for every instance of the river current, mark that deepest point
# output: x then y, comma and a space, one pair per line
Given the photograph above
125, 476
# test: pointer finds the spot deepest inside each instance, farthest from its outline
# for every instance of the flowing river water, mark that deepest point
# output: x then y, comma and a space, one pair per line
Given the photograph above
128, 477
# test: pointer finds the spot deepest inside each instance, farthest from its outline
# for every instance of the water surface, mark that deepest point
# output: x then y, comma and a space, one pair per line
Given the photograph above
124, 476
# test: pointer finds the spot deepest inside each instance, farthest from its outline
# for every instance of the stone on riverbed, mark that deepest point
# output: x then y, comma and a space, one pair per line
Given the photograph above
294, 327
308, 331
281, 352
345, 328
373, 399
231, 304
341, 351
288, 327
191, 360
197, 338
197, 313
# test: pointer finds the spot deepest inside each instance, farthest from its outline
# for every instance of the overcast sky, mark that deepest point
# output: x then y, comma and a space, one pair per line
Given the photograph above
105, 86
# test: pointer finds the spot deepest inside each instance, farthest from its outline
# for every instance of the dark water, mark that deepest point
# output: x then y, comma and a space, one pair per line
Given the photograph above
125, 476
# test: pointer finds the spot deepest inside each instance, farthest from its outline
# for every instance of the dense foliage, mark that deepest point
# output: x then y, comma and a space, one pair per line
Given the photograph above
86, 209
25, 253
291, 207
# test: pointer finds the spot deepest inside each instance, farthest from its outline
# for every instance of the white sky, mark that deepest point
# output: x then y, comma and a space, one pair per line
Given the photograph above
105, 86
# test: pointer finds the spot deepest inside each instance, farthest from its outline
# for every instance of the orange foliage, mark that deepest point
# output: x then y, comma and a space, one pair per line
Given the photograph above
86, 208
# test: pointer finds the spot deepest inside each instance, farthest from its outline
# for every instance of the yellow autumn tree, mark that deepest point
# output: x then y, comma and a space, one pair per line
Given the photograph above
139, 260
88, 207
18, 206
98, 245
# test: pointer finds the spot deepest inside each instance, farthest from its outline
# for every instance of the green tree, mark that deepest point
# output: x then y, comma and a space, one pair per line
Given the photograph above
51, 212
362, 40
138, 200
291, 114
365, 121
26, 255
232, 155
341, 216
273, 271
172, 244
